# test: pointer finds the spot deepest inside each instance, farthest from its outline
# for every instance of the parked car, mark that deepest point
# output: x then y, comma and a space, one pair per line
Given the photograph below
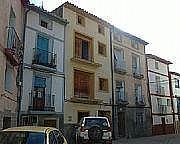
32, 135
94, 130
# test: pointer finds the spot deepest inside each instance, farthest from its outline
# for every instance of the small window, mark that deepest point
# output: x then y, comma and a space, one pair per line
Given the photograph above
80, 20
103, 84
134, 44
101, 29
156, 65
118, 37
102, 49
176, 83
46, 23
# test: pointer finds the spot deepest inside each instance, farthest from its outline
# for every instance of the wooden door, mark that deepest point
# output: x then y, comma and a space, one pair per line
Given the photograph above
121, 124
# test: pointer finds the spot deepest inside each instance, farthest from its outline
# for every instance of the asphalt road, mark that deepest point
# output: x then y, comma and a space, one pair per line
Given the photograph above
163, 139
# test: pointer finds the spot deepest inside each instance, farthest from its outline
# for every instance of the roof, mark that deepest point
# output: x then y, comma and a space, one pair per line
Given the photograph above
83, 12
49, 14
175, 73
31, 129
115, 29
158, 59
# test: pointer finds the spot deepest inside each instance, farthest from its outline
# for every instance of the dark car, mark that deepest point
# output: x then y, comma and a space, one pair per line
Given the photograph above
94, 130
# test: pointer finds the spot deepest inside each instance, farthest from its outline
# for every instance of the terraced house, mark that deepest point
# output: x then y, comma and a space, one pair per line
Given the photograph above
11, 45
43, 69
132, 108
160, 94
87, 64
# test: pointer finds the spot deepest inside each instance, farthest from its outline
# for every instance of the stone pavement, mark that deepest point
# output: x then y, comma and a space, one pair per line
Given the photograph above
162, 139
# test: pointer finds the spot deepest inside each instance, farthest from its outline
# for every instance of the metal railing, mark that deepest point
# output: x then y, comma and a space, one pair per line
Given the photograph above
139, 99
47, 101
14, 44
45, 58
87, 58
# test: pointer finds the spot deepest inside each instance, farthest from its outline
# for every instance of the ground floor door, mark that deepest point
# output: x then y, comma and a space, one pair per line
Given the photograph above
50, 123
121, 124
163, 125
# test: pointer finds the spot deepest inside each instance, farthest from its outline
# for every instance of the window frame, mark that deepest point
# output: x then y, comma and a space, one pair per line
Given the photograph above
103, 84
83, 22
103, 47
101, 29
47, 20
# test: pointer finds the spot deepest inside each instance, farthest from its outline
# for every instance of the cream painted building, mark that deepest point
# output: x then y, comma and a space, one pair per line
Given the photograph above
161, 97
132, 108
11, 33
87, 64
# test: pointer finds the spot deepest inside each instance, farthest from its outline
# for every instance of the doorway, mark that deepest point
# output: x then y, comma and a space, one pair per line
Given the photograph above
121, 124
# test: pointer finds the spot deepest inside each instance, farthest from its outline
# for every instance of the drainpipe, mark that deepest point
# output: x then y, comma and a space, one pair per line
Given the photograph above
112, 83
20, 85
171, 95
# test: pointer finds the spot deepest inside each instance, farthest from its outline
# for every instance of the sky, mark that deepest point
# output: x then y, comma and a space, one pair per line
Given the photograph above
155, 21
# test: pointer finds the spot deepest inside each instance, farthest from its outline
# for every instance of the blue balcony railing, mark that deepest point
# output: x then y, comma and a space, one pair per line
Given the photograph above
45, 58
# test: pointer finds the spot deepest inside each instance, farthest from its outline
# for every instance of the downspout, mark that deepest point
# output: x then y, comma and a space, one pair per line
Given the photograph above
171, 95
21, 67
112, 83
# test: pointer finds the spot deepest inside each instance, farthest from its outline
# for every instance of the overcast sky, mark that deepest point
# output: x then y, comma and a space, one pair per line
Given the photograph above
155, 21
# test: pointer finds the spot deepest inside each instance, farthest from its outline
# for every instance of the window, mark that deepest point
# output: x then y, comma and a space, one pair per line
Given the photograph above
136, 64
119, 62
9, 82
120, 91
83, 47
83, 84
118, 37
158, 84
6, 122
156, 65
102, 49
176, 83
140, 119
168, 102
46, 22
138, 93
80, 20
134, 44
12, 18
103, 84
101, 29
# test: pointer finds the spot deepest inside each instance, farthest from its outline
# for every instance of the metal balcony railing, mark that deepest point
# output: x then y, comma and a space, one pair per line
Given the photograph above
41, 102
163, 109
120, 67
45, 58
137, 73
83, 57
14, 46
122, 99
139, 99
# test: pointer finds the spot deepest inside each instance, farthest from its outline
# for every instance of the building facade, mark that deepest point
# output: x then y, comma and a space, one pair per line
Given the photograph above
160, 94
42, 100
132, 108
87, 65
175, 88
11, 44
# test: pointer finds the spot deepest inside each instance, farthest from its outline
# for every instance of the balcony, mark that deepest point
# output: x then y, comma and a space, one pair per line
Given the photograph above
123, 101
137, 73
140, 100
14, 46
120, 67
41, 102
44, 58
160, 90
163, 109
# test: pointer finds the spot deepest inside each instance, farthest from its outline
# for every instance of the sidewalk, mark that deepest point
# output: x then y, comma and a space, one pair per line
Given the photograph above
162, 139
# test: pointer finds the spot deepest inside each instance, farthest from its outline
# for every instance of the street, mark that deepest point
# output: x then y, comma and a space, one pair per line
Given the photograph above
163, 139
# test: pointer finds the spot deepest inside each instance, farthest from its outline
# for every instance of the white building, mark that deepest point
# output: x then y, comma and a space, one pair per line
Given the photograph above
43, 76
175, 85
159, 87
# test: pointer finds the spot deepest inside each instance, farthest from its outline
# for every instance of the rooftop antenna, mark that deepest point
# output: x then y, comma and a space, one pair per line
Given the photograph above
42, 6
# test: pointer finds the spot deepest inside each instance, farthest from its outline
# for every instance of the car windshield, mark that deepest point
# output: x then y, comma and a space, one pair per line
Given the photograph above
22, 137
96, 121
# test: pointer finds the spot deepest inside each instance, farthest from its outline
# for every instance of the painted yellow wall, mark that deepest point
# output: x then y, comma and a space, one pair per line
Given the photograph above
91, 30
